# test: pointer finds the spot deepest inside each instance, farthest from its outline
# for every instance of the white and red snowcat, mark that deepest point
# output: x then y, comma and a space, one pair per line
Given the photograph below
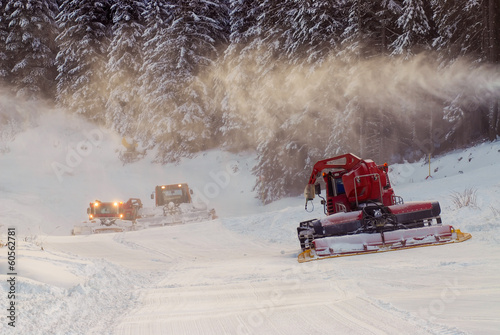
364, 215
174, 205
115, 216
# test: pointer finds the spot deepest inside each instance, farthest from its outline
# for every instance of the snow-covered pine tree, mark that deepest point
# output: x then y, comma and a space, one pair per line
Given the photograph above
155, 74
415, 29
369, 30
312, 36
83, 40
271, 101
455, 23
124, 103
387, 13
491, 35
458, 26
273, 31
5, 65
194, 40
315, 30
414, 33
234, 78
462, 30
281, 167
369, 27
293, 92
30, 47
243, 17
461, 121
491, 14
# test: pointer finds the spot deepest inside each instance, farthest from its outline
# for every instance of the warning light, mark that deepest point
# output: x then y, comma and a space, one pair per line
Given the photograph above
163, 187
179, 185
116, 204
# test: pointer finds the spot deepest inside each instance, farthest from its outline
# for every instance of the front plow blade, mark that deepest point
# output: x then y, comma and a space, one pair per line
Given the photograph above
350, 245
94, 227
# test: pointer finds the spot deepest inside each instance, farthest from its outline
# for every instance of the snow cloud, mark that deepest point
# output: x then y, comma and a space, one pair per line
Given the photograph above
382, 81
344, 92
16, 115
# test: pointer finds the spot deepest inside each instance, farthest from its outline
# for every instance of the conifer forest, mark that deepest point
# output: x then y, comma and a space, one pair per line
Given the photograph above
291, 81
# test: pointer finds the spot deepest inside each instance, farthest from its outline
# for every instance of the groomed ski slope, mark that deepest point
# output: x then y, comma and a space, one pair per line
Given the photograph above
237, 274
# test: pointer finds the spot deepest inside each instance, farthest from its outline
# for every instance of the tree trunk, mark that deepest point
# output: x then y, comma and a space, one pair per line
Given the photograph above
362, 135
491, 29
494, 128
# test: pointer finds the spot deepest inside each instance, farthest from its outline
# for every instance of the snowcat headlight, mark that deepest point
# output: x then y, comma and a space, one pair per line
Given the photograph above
179, 185
121, 215
163, 187
116, 204
91, 216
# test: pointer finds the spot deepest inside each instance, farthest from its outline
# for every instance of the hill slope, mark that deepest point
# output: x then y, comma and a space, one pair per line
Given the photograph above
237, 274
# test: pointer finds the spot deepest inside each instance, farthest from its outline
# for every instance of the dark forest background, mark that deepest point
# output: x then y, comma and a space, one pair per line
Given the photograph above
295, 81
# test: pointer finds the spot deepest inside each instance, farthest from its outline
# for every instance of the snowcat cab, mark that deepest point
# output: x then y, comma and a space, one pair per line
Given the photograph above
350, 182
175, 193
115, 216
364, 215
178, 206
107, 212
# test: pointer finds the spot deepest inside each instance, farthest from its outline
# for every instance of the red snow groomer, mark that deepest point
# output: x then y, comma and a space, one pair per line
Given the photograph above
113, 217
109, 212
106, 212
364, 215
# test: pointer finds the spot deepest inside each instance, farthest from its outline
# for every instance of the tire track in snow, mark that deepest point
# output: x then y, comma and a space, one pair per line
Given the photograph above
121, 239
427, 325
261, 308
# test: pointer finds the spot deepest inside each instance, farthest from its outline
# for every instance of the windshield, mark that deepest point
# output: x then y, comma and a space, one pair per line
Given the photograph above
174, 195
106, 208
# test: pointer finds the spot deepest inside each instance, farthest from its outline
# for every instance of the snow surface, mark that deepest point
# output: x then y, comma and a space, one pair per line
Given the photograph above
237, 274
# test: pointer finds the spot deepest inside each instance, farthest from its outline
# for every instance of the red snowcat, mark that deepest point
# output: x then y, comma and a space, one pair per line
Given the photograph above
113, 216
364, 215
173, 205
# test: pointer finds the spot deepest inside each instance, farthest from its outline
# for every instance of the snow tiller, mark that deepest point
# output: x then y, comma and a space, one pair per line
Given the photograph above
175, 205
364, 215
